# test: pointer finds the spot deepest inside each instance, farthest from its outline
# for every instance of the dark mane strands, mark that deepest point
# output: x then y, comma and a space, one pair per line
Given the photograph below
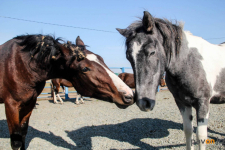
42, 45
46, 47
170, 32
77, 50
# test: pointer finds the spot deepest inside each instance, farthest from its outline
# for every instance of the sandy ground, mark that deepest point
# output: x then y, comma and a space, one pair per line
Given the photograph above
100, 125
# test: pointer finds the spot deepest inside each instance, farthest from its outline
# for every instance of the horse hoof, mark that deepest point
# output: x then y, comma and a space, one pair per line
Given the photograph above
16, 145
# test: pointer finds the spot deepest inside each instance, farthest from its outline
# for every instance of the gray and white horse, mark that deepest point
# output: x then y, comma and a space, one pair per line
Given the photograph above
195, 69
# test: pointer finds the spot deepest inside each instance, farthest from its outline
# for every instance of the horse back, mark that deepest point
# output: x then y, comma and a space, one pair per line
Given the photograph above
128, 78
66, 83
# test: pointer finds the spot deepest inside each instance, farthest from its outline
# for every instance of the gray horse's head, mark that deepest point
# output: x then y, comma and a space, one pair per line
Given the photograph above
148, 46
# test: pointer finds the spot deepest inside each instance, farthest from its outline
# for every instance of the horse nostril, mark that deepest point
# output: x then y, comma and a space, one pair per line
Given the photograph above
128, 98
146, 104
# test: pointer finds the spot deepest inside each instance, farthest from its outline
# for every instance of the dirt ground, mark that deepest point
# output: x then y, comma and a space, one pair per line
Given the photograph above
99, 125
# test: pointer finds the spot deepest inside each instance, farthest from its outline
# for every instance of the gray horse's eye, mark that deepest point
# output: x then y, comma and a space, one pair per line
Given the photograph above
152, 53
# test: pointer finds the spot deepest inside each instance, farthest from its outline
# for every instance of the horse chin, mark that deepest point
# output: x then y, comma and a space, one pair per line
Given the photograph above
124, 102
121, 106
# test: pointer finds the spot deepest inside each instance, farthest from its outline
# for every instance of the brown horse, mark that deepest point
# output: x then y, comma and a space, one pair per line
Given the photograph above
55, 85
128, 78
162, 80
28, 61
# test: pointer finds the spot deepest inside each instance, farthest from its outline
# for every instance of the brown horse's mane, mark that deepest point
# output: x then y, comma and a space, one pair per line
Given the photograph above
46, 47
77, 50
40, 45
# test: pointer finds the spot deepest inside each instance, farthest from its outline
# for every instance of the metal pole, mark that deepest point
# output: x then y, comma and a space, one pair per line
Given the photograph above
123, 69
66, 93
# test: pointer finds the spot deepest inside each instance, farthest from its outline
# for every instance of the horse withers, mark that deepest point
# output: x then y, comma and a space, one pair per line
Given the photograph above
194, 69
28, 61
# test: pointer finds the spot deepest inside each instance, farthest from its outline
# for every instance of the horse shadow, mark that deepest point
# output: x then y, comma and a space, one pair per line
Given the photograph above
33, 133
131, 132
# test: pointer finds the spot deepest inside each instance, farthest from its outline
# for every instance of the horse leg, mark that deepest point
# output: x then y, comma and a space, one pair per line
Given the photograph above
186, 113
24, 128
64, 91
202, 122
52, 89
77, 99
81, 99
54, 97
60, 99
12, 115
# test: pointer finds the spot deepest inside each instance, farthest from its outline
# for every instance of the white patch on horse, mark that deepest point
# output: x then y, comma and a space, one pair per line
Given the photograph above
212, 54
202, 132
136, 49
120, 85
187, 126
61, 101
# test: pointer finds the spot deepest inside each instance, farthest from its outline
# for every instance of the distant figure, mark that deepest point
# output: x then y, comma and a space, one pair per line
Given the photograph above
55, 85
128, 78
162, 81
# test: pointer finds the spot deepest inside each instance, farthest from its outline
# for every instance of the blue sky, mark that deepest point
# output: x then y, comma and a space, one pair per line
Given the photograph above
204, 18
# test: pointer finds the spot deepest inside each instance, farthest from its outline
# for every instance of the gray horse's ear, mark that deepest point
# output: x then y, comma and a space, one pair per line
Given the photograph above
123, 32
148, 21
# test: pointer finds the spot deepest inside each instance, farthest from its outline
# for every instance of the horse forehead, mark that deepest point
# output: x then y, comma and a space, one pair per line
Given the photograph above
93, 57
136, 48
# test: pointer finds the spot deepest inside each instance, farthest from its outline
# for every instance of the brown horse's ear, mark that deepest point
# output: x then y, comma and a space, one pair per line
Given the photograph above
123, 32
79, 42
148, 21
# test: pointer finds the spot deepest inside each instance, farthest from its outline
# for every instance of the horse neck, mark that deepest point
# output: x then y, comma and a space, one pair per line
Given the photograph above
189, 57
54, 69
175, 57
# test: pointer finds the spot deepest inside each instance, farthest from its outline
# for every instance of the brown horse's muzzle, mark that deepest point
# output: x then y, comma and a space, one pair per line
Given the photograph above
127, 100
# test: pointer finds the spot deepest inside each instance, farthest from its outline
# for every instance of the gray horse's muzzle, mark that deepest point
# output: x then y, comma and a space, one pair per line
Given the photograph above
145, 104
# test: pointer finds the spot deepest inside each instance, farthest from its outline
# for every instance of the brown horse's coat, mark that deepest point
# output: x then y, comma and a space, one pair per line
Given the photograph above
26, 62
127, 78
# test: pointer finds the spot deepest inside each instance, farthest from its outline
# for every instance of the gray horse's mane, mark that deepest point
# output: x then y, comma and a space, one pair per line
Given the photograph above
171, 32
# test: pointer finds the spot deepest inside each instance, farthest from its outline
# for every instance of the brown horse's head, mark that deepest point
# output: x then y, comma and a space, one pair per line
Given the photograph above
91, 77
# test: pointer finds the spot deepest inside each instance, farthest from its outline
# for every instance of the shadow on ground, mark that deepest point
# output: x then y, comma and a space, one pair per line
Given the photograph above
131, 131
72, 100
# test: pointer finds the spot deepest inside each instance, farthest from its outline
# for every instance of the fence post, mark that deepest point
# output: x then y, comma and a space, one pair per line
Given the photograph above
158, 89
66, 93
123, 69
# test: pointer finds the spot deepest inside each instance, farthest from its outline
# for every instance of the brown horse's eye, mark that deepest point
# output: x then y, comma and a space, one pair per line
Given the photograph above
85, 69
